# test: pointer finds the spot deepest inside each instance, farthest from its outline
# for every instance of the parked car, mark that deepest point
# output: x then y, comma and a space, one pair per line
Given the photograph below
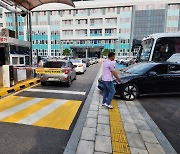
120, 61
79, 65
95, 60
126, 61
58, 71
90, 61
86, 61
147, 78
132, 61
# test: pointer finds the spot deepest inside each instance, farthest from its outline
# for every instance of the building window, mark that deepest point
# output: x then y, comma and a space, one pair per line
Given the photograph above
111, 20
110, 10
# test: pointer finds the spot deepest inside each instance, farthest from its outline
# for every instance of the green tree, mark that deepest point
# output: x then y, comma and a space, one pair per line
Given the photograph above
66, 52
105, 52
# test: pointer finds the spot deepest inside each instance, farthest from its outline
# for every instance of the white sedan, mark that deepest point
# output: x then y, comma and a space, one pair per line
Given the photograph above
80, 66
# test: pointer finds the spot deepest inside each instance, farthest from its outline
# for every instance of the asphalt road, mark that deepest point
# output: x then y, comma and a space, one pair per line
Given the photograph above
165, 111
28, 139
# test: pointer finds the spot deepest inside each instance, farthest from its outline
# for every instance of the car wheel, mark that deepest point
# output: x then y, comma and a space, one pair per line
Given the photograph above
43, 83
130, 92
69, 83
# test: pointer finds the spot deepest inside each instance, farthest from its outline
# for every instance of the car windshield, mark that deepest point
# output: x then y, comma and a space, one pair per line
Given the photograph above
76, 60
140, 68
57, 64
146, 50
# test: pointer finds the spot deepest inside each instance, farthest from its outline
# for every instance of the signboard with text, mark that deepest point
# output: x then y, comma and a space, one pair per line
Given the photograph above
3, 40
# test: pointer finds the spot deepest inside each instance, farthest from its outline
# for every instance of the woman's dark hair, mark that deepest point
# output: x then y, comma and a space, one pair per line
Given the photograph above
111, 54
39, 58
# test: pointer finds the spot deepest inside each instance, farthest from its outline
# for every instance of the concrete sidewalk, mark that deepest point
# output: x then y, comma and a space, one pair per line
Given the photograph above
120, 130
123, 130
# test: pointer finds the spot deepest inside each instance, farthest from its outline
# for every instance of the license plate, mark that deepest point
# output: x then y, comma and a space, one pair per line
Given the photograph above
53, 79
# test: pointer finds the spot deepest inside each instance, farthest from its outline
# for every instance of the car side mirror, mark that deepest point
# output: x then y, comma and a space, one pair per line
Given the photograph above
152, 73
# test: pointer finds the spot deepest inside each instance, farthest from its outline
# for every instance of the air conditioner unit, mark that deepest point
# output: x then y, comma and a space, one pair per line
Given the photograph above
7, 33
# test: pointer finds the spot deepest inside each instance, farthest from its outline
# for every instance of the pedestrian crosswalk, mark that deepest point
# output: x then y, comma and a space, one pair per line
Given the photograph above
43, 112
56, 91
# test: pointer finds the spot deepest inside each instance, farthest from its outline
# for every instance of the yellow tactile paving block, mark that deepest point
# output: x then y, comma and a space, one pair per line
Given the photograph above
117, 130
115, 114
115, 118
42, 112
121, 147
118, 136
116, 123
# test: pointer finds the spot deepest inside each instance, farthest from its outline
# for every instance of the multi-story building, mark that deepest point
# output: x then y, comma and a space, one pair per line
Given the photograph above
93, 26
2, 18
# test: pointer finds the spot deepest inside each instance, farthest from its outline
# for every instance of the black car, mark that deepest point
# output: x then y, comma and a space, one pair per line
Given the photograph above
147, 78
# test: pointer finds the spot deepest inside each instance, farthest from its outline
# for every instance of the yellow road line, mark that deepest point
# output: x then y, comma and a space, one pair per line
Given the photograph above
6, 105
62, 117
28, 111
119, 141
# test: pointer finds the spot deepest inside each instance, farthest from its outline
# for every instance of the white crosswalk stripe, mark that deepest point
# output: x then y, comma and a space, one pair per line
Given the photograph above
19, 107
42, 112
57, 91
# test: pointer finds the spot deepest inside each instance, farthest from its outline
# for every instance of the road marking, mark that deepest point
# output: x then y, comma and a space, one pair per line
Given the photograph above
12, 102
41, 113
19, 107
28, 111
7, 99
57, 91
66, 114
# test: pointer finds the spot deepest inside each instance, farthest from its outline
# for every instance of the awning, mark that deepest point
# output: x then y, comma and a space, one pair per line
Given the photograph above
31, 4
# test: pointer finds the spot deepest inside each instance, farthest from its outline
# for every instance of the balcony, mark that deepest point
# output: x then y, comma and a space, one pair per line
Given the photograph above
81, 25
99, 24
78, 35
96, 34
67, 25
109, 34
